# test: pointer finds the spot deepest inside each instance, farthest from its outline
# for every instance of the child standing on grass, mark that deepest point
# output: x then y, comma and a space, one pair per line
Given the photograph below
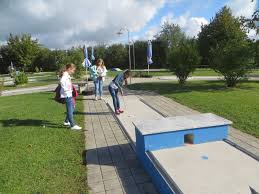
98, 73
67, 93
116, 86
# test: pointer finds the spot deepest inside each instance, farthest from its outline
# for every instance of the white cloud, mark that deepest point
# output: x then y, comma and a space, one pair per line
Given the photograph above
242, 7
190, 25
252, 34
151, 32
63, 23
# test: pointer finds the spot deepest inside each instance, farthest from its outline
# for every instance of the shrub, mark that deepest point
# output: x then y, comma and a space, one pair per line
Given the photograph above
233, 61
225, 47
184, 58
21, 78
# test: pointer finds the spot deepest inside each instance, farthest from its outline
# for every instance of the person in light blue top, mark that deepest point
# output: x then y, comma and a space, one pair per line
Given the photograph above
116, 86
98, 73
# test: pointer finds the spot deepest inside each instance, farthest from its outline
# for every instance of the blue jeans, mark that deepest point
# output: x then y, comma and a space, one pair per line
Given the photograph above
70, 110
115, 98
98, 85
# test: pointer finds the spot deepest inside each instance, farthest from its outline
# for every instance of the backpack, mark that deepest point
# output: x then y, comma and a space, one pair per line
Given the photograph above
57, 95
74, 93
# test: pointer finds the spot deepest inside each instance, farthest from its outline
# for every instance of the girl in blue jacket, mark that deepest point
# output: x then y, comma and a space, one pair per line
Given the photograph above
116, 86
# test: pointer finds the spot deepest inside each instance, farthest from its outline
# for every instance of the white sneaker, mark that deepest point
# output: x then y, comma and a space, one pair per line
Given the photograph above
96, 98
100, 98
76, 127
66, 123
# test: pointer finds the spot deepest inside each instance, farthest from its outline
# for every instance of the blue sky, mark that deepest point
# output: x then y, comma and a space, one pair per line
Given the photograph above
66, 23
198, 9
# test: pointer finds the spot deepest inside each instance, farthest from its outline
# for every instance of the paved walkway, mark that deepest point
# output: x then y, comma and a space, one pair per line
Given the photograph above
168, 107
112, 165
36, 89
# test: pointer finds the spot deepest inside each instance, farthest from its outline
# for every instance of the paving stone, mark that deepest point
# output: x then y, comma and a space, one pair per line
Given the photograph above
94, 178
131, 190
91, 156
147, 188
137, 170
121, 165
97, 187
115, 191
105, 168
141, 178
133, 163
128, 181
109, 175
124, 172
112, 184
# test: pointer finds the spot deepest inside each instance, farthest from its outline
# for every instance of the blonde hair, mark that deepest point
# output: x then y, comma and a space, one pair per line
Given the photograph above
65, 68
101, 62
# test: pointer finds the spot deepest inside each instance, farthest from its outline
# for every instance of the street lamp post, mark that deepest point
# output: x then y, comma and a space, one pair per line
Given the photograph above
121, 32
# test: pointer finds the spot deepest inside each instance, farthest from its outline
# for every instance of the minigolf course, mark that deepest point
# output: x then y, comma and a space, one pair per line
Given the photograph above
188, 154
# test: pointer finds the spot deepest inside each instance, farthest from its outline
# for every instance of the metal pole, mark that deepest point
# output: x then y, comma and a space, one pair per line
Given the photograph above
129, 54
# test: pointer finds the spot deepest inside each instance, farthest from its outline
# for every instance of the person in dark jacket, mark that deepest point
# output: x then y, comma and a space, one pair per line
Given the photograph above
115, 87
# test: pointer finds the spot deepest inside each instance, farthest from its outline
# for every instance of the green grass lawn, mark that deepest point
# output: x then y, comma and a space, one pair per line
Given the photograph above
157, 73
240, 105
197, 72
37, 154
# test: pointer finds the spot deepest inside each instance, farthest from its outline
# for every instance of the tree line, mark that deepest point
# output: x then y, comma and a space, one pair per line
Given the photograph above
28, 54
222, 45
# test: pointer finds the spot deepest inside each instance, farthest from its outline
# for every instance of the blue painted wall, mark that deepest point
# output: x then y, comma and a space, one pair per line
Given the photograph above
176, 138
158, 180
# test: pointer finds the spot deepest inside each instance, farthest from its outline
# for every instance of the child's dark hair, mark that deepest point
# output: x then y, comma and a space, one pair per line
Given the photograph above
126, 73
65, 68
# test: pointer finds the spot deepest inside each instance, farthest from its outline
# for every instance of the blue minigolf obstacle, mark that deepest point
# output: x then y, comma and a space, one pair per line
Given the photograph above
174, 132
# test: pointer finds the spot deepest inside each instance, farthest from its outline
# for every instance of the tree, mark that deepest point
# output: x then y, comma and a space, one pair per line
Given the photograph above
45, 59
257, 53
75, 55
116, 56
184, 58
220, 45
141, 54
5, 60
160, 54
169, 36
100, 51
22, 50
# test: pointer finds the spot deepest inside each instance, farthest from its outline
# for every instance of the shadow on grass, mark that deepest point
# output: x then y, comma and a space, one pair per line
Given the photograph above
28, 123
200, 86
